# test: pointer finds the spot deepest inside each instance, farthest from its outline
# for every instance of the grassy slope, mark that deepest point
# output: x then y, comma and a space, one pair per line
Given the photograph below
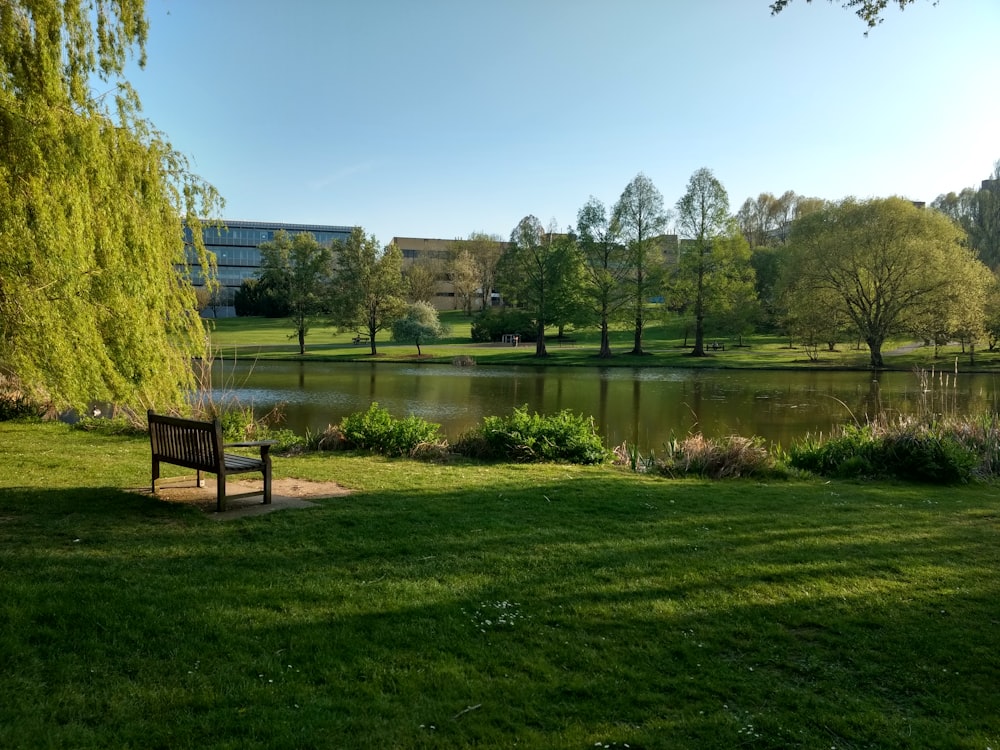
269, 339
458, 605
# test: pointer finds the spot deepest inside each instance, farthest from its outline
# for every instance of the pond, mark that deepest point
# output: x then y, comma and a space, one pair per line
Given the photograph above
645, 406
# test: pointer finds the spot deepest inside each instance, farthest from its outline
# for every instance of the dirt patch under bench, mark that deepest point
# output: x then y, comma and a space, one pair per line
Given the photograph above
285, 494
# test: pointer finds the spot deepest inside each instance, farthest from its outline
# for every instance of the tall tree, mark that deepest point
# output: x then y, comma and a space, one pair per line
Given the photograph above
977, 211
93, 200
368, 290
641, 219
869, 11
605, 264
422, 279
298, 269
715, 262
567, 305
485, 251
886, 262
767, 263
465, 278
528, 272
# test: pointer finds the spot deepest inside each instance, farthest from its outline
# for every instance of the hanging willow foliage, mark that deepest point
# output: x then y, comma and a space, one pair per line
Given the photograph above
93, 203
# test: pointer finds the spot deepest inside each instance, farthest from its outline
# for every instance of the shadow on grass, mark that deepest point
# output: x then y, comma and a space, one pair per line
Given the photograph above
561, 614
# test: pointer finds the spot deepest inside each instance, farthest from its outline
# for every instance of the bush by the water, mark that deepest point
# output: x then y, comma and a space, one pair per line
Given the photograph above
905, 450
525, 438
376, 430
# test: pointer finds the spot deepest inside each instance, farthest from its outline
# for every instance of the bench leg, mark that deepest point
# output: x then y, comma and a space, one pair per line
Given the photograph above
267, 483
156, 475
220, 502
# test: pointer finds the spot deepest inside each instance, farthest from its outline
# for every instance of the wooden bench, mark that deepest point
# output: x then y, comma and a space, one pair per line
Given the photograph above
359, 339
198, 445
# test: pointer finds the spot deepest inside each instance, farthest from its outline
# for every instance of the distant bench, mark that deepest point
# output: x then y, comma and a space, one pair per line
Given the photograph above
198, 445
359, 339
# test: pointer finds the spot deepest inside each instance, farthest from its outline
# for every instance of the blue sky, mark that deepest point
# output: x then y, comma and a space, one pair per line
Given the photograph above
445, 117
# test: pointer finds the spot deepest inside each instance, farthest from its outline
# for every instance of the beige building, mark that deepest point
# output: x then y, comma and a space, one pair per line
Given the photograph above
436, 253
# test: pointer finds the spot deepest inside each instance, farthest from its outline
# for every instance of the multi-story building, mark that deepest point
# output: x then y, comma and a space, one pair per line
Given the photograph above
235, 246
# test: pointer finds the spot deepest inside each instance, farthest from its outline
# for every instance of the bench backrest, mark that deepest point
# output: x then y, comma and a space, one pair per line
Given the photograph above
186, 442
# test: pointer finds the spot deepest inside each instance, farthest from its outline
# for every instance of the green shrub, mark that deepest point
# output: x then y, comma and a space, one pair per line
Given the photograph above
927, 457
904, 450
493, 324
377, 431
526, 438
848, 454
241, 424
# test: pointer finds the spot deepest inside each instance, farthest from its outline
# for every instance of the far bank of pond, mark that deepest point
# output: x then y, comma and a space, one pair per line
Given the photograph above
645, 406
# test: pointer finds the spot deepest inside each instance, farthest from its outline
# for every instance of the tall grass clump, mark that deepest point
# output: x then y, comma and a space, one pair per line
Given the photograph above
378, 431
525, 438
15, 403
719, 458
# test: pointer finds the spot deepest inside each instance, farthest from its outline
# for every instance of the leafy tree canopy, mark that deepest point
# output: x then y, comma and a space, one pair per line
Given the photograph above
93, 201
297, 269
368, 290
420, 325
869, 11
888, 264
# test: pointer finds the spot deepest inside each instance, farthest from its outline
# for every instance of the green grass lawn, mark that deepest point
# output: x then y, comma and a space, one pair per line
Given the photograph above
664, 343
467, 605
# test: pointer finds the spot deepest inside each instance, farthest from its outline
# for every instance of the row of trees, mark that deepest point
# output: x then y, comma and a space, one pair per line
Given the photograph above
821, 271
355, 283
615, 263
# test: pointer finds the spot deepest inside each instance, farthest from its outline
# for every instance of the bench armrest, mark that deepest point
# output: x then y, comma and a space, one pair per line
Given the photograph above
264, 445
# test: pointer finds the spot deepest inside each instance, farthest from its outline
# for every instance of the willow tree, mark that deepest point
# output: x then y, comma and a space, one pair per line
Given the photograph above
93, 202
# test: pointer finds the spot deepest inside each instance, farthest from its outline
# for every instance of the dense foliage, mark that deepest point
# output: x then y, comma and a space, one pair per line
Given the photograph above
367, 292
525, 438
494, 324
910, 452
378, 431
419, 326
888, 267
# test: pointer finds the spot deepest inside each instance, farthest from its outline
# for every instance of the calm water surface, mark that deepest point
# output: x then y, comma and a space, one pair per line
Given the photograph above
645, 406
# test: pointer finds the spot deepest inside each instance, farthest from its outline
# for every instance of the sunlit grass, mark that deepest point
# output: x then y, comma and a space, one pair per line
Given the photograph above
664, 343
454, 605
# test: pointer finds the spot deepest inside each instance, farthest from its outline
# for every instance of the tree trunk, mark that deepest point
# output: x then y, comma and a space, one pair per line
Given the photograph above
637, 342
605, 352
302, 341
540, 342
699, 337
875, 347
